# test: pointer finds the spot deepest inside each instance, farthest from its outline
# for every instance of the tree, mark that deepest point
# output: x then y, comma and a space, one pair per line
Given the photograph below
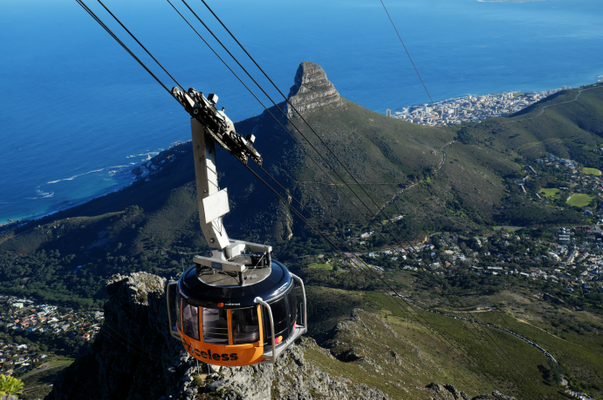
10, 385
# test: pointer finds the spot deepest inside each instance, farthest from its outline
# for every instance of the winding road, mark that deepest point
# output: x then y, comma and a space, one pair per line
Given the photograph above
518, 336
43, 368
444, 153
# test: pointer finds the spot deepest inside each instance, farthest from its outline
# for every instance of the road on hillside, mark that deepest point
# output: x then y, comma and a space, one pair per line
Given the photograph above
399, 192
444, 153
552, 105
484, 324
42, 368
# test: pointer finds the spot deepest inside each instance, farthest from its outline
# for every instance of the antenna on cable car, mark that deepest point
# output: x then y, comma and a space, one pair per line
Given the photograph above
219, 318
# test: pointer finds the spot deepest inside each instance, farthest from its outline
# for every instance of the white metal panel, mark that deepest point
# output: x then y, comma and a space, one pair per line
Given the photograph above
216, 205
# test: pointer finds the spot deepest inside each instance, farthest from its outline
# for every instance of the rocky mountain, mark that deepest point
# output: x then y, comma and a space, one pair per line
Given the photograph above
332, 152
134, 357
311, 90
408, 170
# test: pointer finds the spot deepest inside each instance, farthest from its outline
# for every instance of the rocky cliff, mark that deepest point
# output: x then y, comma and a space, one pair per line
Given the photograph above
134, 357
311, 90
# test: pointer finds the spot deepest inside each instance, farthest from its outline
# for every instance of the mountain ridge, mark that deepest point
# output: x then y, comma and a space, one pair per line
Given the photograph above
153, 224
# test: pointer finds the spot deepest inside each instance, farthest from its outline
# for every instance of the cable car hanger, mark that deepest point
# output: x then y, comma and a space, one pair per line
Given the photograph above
204, 107
237, 307
245, 149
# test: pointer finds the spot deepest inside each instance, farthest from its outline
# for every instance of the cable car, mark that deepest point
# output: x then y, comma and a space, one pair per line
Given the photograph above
239, 306
224, 323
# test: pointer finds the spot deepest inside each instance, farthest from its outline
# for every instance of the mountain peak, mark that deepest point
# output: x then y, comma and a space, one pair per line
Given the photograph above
312, 89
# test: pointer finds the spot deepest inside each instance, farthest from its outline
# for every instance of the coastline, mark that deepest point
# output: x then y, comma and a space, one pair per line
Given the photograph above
474, 108
135, 172
19, 220
471, 108
143, 170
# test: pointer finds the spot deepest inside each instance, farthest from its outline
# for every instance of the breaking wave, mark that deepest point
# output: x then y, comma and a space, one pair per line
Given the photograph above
42, 194
147, 155
75, 176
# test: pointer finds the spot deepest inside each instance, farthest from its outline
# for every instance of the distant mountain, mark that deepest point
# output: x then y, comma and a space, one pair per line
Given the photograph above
383, 155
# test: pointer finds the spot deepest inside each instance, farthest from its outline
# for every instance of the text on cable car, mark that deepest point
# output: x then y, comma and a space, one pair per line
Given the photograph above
208, 354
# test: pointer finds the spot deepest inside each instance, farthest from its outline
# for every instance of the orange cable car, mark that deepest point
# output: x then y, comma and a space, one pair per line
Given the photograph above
224, 323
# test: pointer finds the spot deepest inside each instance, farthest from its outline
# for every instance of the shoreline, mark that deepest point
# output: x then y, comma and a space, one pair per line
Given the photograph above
137, 172
471, 108
16, 222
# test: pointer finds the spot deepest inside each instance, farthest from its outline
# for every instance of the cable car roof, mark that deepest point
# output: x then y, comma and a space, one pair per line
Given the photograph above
211, 288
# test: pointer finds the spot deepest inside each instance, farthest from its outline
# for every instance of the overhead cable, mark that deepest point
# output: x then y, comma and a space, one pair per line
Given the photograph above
140, 44
301, 116
127, 49
318, 136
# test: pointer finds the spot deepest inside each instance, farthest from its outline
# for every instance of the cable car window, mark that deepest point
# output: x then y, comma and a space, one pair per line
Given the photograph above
279, 314
245, 326
190, 321
178, 299
292, 305
215, 326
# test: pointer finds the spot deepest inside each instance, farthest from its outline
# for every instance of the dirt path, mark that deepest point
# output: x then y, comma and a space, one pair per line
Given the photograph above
488, 325
555, 336
399, 192
523, 321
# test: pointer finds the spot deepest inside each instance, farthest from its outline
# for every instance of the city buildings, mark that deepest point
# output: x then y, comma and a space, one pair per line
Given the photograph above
469, 108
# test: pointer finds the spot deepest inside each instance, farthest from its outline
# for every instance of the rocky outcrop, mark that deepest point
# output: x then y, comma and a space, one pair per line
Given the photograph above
135, 358
495, 395
445, 392
311, 90
294, 378
449, 392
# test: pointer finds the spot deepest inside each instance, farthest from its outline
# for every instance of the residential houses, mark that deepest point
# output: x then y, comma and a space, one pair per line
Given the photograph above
469, 108
25, 315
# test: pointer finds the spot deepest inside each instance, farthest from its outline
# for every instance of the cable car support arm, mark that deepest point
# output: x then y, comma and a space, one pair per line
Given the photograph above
210, 126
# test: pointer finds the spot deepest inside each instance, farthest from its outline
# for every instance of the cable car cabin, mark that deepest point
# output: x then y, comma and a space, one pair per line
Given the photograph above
223, 322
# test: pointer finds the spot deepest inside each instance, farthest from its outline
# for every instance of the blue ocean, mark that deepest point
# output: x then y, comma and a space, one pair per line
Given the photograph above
77, 112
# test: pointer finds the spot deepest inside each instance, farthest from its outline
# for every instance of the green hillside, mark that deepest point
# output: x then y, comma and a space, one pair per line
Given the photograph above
568, 124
